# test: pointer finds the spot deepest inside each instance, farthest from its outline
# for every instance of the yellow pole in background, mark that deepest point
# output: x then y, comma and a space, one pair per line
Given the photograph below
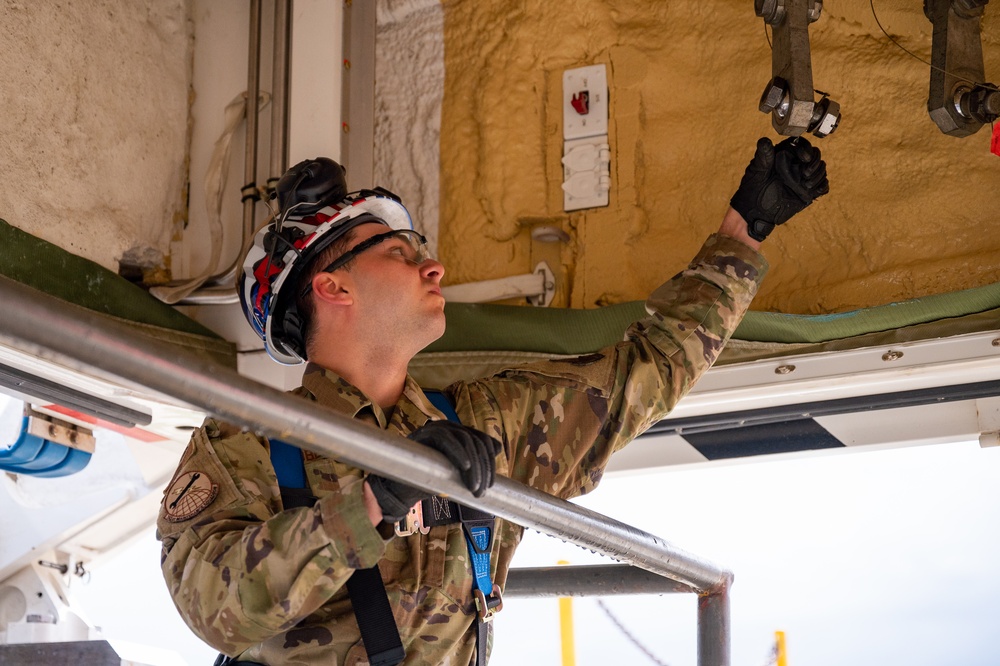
779, 645
566, 628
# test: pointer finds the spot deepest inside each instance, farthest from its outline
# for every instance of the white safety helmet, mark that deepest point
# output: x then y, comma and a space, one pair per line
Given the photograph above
315, 210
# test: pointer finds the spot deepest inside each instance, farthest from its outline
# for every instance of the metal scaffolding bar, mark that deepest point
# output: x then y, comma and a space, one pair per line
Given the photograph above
597, 580
90, 343
713, 627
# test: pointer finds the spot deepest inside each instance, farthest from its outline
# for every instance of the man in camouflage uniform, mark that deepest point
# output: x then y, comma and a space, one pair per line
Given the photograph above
266, 584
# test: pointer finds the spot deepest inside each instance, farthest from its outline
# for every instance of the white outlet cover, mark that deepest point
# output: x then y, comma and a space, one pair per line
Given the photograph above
592, 81
586, 173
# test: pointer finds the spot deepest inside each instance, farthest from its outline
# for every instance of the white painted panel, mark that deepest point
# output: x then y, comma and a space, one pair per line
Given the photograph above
907, 426
658, 451
832, 375
317, 68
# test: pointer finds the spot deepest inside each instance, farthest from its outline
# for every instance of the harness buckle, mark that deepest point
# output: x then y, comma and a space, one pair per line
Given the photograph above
413, 522
487, 607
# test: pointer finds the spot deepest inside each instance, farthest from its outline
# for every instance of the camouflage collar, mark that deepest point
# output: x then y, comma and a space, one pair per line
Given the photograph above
331, 390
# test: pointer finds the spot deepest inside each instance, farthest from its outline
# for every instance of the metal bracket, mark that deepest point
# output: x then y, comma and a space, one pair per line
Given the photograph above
59, 431
538, 288
544, 299
789, 96
960, 102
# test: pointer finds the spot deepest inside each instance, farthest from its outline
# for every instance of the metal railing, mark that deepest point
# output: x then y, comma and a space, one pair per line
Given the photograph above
93, 344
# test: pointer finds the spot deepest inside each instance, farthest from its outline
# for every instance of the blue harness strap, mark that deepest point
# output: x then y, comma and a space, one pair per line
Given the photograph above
479, 539
288, 466
478, 527
443, 405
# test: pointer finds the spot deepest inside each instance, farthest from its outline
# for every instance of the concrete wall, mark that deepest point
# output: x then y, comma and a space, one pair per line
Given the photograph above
912, 212
94, 146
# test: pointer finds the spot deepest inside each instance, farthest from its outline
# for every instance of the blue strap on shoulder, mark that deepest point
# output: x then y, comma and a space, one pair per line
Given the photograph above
287, 459
440, 400
288, 467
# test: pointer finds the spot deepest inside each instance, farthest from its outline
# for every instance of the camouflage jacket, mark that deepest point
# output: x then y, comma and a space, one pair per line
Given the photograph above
268, 584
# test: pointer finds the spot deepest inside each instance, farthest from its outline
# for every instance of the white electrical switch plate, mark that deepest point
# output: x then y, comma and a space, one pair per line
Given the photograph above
586, 172
585, 102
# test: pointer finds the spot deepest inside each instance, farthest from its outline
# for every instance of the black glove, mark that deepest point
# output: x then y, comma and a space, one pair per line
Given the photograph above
779, 182
472, 452
395, 498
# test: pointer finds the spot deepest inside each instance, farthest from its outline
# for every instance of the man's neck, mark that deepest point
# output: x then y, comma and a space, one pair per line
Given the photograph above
381, 380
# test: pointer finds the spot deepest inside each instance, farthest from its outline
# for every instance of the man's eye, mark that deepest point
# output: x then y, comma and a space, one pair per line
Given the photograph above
396, 250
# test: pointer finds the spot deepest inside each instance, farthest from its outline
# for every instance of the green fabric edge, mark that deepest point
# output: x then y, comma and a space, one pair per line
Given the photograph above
484, 339
486, 327
48, 268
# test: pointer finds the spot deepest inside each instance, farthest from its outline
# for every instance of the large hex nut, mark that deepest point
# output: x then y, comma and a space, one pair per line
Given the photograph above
828, 118
772, 11
968, 9
981, 104
816, 8
773, 95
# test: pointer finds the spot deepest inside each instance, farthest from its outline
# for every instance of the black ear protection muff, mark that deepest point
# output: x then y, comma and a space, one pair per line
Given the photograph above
310, 185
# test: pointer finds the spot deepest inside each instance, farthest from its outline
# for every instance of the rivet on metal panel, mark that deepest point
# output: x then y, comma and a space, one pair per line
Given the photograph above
892, 355
784, 369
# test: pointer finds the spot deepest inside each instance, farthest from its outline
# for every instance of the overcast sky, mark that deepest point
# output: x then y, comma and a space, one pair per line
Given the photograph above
865, 558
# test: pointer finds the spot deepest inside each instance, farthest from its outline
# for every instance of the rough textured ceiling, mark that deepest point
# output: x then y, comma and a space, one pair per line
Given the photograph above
911, 211
96, 124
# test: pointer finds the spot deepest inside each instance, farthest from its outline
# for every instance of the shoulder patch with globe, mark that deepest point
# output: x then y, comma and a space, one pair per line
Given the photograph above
190, 494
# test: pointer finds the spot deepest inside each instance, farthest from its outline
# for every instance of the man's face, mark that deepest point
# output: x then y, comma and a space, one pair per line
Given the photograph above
393, 295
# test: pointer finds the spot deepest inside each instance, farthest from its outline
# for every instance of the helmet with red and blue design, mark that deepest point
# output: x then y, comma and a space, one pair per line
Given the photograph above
315, 209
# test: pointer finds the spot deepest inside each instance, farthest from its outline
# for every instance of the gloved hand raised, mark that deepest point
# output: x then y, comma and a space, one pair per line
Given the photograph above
779, 182
472, 452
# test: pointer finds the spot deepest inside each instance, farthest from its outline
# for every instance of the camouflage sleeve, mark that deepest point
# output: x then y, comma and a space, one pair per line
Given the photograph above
240, 569
561, 420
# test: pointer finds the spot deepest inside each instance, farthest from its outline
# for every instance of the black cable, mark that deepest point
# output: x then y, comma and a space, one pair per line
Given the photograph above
628, 635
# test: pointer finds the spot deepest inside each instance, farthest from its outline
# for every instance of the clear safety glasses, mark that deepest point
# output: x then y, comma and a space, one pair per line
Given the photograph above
407, 243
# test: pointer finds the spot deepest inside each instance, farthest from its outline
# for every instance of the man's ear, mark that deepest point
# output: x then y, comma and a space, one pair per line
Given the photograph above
332, 289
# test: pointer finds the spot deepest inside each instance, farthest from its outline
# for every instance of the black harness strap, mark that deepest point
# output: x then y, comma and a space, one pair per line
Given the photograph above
374, 616
365, 588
